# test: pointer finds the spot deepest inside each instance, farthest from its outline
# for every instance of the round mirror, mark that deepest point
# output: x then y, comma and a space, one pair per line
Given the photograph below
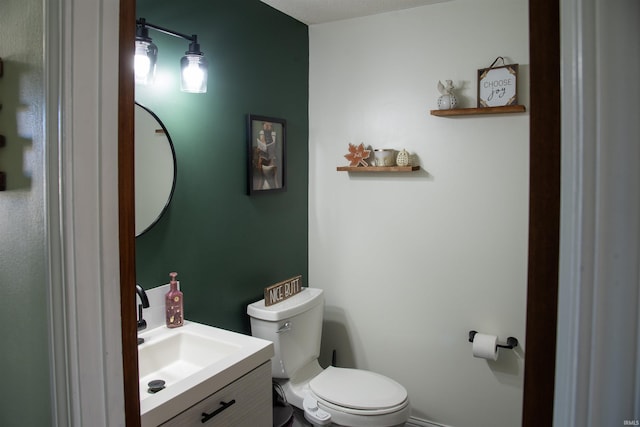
155, 168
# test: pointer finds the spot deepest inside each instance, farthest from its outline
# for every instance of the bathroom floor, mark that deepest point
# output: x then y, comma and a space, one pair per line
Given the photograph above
299, 420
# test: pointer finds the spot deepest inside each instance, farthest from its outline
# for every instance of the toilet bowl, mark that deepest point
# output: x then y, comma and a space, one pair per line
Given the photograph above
331, 396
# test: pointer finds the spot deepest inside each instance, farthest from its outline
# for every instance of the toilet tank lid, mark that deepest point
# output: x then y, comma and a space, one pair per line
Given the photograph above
299, 303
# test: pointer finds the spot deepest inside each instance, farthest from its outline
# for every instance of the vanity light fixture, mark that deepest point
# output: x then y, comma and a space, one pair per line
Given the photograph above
193, 65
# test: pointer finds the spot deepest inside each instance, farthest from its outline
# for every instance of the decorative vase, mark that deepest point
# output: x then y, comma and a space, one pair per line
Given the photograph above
402, 159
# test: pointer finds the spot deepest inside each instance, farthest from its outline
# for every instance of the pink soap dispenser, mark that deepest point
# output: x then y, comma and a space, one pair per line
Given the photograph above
173, 304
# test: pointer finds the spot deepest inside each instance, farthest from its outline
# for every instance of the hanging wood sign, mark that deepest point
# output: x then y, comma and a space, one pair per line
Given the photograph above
497, 86
282, 290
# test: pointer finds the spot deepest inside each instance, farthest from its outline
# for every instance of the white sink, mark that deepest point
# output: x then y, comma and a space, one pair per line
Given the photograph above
194, 361
172, 357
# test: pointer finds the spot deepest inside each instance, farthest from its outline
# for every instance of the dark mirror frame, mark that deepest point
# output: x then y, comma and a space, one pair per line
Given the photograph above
175, 171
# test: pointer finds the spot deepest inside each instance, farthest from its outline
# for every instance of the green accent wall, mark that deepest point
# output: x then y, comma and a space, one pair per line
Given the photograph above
225, 245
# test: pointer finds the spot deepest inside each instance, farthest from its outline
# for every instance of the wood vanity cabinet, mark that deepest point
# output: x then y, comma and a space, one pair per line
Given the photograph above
244, 402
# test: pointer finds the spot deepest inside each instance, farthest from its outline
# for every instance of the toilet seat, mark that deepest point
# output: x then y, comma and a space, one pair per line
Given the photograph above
358, 392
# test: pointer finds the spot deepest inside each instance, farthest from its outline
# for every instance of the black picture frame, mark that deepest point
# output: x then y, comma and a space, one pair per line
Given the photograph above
266, 154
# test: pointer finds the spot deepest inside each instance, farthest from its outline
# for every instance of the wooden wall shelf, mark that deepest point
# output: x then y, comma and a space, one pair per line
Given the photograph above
475, 111
377, 168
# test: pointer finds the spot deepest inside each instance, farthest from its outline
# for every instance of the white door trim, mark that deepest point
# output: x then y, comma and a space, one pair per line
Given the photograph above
81, 74
598, 363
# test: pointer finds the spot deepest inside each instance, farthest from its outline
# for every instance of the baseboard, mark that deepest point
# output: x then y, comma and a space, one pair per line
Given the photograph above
417, 422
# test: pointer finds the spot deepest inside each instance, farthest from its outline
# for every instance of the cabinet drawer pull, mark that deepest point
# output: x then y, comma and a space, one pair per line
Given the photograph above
206, 417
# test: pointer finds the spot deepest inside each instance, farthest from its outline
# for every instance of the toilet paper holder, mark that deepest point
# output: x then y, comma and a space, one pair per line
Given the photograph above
511, 341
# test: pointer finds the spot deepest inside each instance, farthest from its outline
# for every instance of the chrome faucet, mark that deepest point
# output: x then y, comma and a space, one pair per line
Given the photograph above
142, 324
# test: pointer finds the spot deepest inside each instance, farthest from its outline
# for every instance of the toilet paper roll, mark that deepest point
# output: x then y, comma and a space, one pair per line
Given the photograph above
485, 346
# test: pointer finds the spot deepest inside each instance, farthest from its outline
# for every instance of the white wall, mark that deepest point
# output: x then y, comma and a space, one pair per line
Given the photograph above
411, 262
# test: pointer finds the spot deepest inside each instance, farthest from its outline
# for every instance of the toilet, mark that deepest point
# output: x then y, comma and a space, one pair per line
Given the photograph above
331, 396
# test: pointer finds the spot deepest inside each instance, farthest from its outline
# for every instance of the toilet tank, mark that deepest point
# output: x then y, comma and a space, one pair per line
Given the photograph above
294, 326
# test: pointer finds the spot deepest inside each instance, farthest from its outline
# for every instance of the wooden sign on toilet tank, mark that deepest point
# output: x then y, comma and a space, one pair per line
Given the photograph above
282, 290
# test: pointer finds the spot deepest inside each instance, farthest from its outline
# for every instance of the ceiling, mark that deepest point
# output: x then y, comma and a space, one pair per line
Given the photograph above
322, 11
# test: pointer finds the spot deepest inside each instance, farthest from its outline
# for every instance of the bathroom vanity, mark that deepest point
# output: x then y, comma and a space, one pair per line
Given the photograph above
244, 402
209, 376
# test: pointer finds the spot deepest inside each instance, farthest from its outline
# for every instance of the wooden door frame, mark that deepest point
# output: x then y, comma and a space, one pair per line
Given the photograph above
544, 212
126, 200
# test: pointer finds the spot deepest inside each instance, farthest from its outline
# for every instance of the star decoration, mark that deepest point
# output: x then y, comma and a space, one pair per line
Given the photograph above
357, 155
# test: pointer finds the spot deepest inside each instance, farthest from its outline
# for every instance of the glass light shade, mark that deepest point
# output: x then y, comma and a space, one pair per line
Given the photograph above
145, 60
194, 73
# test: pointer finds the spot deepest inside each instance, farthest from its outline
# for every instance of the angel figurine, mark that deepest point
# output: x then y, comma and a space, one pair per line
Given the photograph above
447, 99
